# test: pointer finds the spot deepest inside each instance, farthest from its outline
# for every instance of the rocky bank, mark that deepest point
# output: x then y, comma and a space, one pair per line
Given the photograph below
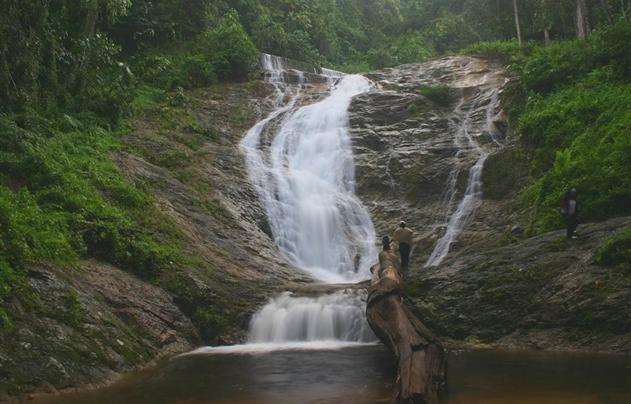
496, 286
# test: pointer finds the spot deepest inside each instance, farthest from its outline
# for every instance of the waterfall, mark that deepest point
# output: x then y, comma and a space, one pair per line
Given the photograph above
300, 161
473, 193
336, 317
305, 179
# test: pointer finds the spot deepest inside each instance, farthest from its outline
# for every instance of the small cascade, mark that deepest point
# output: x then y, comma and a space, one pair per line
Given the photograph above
472, 198
335, 317
288, 322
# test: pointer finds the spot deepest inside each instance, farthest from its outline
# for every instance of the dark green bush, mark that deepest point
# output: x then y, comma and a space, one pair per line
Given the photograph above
552, 67
380, 58
574, 120
441, 95
198, 71
615, 250
228, 48
580, 138
504, 50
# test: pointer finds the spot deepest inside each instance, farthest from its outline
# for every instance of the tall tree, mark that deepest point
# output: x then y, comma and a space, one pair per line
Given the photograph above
582, 20
517, 24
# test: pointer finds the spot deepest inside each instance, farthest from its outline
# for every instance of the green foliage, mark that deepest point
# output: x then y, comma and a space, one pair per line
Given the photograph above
576, 124
412, 47
62, 198
615, 251
505, 50
229, 48
168, 71
554, 66
440, 95
62, 58
450, 32
210, 322
73, 310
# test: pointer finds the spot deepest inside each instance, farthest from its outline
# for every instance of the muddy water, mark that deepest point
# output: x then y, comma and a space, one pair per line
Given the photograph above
364, 375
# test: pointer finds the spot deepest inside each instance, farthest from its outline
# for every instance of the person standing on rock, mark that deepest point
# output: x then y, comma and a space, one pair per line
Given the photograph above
403, 236
569, 209
385, 242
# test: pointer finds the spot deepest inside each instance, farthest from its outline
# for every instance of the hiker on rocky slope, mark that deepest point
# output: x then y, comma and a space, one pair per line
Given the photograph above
569, 209
403, 236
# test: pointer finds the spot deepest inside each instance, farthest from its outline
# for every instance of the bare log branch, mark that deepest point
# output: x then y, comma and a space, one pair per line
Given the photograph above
420, 355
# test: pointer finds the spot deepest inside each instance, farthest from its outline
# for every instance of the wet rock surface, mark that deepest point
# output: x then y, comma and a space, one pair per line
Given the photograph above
543, 292
411, 152
90, 323
496, 285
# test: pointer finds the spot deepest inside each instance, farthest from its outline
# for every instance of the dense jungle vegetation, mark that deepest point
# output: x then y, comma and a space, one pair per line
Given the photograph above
73, 73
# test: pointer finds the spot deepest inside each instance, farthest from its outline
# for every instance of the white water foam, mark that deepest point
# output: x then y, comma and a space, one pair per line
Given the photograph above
327, 322
263, 347
473, 194
306, 181
334, 317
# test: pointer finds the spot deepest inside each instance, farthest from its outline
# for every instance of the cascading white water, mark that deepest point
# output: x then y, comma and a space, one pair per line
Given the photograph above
473, 193
287, 322
301, 164
336, 317
306, 181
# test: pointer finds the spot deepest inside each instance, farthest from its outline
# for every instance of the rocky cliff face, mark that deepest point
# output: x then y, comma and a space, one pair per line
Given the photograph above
413, 150
495, 285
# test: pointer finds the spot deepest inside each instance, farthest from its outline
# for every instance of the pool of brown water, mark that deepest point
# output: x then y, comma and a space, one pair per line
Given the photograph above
364, 374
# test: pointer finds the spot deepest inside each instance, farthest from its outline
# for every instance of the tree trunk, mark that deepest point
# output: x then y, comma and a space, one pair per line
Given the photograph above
517, 24
420, 355
582, 23
546, 36
92, 15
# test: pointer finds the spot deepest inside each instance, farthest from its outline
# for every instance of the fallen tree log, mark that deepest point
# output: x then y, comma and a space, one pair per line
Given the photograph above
420, 355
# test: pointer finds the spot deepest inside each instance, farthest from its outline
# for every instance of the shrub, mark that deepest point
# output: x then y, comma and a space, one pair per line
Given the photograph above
228, 48
69, 200
411, 47
380, 58
616, 250
198, 71
574, 120
504, 50
441, 95
588, 128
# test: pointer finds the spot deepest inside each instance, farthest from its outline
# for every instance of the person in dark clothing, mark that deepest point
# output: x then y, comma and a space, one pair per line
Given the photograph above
403, 236
569, 209
385, 242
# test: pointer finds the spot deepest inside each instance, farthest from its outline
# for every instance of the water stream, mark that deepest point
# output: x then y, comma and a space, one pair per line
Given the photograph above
363, 375
300, 161
466, 143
